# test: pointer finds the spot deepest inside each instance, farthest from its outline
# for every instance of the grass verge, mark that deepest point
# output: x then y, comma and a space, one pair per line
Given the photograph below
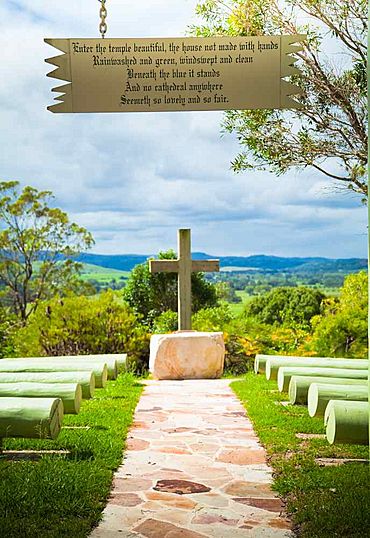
324, 502
63, 496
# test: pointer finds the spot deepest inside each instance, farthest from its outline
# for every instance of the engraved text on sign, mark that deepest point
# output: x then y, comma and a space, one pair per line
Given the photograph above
149, 75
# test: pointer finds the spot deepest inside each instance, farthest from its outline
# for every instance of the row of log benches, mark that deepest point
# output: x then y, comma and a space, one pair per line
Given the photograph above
335, 389
36, 393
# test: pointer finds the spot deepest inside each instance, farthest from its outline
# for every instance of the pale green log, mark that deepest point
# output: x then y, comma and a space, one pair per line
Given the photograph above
69, 393
347, 422
286, 372
260, 364
260, 360
38, 418
299, 385
57, 365
110, 360
319, 395
120, 358
122, 361
266, 357
85, 379
273, 365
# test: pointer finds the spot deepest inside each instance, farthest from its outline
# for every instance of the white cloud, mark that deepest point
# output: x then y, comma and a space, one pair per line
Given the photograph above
134, 178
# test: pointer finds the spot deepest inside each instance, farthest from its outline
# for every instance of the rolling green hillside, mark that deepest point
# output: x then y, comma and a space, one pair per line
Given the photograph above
103, 277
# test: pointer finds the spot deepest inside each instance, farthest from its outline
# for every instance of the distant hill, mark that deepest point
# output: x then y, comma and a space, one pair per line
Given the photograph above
263, 263
121, 262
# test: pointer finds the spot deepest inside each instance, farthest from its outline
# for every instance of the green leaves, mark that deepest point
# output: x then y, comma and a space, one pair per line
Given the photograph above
286, 306
331, 129
341, 330
152, 294
35, 238
80, 325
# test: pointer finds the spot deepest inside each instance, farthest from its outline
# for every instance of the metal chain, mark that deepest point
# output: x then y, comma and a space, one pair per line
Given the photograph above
103, 15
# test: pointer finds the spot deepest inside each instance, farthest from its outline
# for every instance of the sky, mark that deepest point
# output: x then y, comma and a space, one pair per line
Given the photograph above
133, 179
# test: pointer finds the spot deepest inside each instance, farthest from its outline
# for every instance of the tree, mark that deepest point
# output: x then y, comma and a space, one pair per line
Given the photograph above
152, 294
77, 325
286, 306
342, 329
226, 292
8, 330
329, 133
37, 242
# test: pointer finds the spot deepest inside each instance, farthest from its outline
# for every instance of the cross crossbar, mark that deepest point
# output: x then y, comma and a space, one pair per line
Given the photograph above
172, 266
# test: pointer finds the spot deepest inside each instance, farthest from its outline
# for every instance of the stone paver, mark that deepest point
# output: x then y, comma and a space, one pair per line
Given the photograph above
193, 468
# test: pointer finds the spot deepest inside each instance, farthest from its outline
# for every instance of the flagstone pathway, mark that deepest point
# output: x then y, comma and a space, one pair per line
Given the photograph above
193, 468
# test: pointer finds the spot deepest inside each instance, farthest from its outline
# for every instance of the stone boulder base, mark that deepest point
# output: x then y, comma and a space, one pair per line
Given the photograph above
187, 355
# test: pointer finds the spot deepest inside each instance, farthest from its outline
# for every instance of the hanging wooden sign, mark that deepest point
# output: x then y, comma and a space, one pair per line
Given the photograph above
150, 75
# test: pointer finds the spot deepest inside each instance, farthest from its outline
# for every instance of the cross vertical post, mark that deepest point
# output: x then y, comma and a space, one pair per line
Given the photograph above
184, 280
184, 266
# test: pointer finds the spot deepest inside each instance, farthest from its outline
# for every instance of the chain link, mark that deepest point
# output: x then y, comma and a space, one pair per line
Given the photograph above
103, 15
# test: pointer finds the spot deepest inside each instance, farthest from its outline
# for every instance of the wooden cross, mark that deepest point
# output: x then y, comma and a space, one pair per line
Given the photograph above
184, 266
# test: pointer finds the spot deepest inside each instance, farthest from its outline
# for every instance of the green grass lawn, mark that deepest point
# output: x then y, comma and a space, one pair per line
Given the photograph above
324, 502
237, 308
102, 274
63, 496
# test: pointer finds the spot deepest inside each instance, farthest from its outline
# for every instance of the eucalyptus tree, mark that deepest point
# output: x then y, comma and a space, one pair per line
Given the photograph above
329, 132
37, 242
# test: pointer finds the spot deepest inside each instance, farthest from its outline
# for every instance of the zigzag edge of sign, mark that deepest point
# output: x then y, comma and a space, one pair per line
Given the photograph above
290, 45
62, 72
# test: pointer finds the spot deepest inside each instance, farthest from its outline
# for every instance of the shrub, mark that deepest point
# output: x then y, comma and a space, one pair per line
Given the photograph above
79, 325
342, 329
286, 306
212, 319
8, 327
239, 353
165, 323
239, 349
